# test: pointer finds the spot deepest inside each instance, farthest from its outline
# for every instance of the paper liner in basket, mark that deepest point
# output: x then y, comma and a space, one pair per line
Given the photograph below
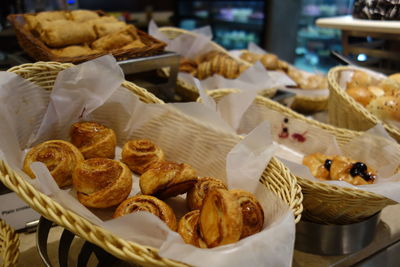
296, 139
92, 91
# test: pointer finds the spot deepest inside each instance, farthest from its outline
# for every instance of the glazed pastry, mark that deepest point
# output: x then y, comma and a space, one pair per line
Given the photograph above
140, 154
93, 140
167, 179
60, 157
103, 29
361, 94
319, 165
250, 57
135, 44
73, 51
117, 39
199, 191
356, 173
386, 107
188, 228
360, 79
150, 204
82, 15
395, 77
253, 214
220, 220
101, 182
390, 86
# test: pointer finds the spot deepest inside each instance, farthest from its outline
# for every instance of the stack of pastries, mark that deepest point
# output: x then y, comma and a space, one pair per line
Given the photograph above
272, 62
380, 97
213, 62
81, 32
217, 216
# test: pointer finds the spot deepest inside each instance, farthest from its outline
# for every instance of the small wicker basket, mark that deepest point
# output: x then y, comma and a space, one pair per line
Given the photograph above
345, 112
276, 177
9, 245
188, 91
324, 203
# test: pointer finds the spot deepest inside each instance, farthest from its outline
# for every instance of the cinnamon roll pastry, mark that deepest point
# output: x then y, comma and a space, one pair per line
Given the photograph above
150, 204
188, 228
93, 140
196, 195
102, 182
253, 214
167, 179
140, 154
220, 220
60, 157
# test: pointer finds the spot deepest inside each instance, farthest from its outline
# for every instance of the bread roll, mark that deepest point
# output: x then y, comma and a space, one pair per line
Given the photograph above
196, 195
270, 61
51, 16
361, 94
360, 79
117, 39
82, 15
74, 51
385, 107
188, 228
395, 77
103, 29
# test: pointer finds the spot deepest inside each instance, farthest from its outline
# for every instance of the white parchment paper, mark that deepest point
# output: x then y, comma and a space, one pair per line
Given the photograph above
92, 91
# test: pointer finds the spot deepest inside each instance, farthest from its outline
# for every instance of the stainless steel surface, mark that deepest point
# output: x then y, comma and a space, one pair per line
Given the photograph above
335, 239
388, 257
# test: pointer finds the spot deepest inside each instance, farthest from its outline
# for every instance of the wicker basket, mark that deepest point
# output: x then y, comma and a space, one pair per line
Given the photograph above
188, 91
324, 203
276, 177
310, 104
345, 112
35, 48
9, 245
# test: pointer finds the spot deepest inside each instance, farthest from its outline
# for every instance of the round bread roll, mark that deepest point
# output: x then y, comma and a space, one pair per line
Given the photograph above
360, 79
390, 86
385, 107
102, 182
188, 228
270, 61
150, 204
395, 77
60, 157
93, 140
140, 154
199, 191
361, 94
376, 90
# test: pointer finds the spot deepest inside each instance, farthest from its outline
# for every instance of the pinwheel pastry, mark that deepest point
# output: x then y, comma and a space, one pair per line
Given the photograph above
220, 220
93, 140
102, 182
199, 191
167, 179
253, 214
150, 204
339, 168
140, 154
188, 228
60, 157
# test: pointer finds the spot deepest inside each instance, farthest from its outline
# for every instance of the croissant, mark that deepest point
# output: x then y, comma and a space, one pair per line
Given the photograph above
199, 191
150, 204
188, 228
140, 154
101, 182
167, 179
94, 140
253, 214
221, 219
59, 156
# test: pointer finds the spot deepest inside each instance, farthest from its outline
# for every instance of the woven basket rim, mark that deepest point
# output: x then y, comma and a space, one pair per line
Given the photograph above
334, 86
10, 242
155, 46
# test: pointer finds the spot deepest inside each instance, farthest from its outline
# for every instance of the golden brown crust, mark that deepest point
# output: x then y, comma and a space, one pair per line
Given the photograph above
117, 39
188, 228
220, 218
140, 154
93, 140
59, 156
253, 214
167, 179
250, 57
316, 163
341, 170
150, 204
102, 182
199, 191
270, 61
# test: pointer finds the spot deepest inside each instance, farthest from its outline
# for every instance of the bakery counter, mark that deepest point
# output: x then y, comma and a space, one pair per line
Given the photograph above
383, 251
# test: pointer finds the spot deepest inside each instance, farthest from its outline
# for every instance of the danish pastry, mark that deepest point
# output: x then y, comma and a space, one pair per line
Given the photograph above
253, 214
319, 165
150, 204
140, 154
102, 182
199, 191
94, 140
188, 228
220, 220
167, 179
60, 157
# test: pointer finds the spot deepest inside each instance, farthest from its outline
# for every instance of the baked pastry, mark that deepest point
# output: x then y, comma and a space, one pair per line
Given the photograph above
220, 220
361, 94
196, 195
188, 228
60, 157
74, 51
386, 107
51, 16
150, 204
188, 66
103, 29
360, 79
93, 139
253, 214
167, 179
82, 15
140, 154
101, 182
250, 57
135, 44
319, 165
117, 39
270, 61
